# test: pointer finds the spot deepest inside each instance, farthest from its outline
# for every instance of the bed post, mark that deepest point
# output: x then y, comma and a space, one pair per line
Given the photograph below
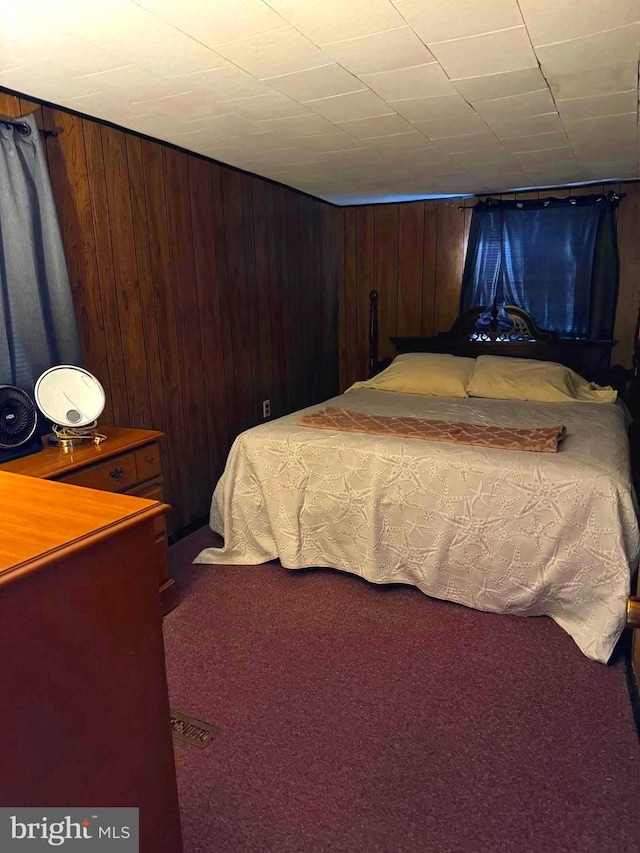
373, 332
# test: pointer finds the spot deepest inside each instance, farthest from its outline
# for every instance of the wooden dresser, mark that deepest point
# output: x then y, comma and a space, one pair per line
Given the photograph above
84, 702
128, 462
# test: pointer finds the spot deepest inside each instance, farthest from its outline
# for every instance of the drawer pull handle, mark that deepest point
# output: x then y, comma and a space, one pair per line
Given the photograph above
116, 473
149, 459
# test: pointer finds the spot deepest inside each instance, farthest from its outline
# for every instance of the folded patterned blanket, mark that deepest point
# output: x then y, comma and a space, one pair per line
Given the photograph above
540, 439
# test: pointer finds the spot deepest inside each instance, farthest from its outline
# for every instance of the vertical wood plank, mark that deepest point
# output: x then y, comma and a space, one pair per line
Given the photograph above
148, 305
224, 298
206, 270
187, 319
163, 291
263, 264
430, 254
411, 252
449, 263
342, 307
104, 257
365, 284
239, 314
9, 105
351, 294
386, 274
125, 277
252, 301
279, 358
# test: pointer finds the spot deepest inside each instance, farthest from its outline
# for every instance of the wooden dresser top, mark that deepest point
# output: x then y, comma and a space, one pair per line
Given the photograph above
38, 517
54, 462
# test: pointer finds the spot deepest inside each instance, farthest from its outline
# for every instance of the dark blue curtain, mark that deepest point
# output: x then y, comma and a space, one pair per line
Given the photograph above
556, 258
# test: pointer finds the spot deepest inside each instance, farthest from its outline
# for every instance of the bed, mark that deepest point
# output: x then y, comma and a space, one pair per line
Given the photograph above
505, 531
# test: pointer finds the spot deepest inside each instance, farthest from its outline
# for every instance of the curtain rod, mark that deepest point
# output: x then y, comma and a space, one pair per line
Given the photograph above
613, 196
22, 126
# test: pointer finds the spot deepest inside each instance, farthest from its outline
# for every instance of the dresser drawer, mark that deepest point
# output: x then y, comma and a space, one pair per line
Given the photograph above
148, 462
112, 475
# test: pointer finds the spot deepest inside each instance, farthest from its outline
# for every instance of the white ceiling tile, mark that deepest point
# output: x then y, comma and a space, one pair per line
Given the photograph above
107, 23
384, 51
168, 54
108, 105
516, 106
183, 107
311, 125
543, 155
500, 85
597, 81
443, 128
492, 159
351, 106
51, 85
133, 83
526, 126
223, 83
398, 142
272, 105
537, 142
333, 20
613, 47
420, 80
217, 21
21, 21
354, 156
387, 125
480, 143
271, 54
322, 82
508, 168
551, 21
338, 141
601, 147
433, 109
439, 20
621, 128
226, 125
601, 105
70, 52
491, 53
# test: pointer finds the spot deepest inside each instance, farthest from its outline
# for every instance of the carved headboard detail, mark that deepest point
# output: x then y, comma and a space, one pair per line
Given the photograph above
524, 339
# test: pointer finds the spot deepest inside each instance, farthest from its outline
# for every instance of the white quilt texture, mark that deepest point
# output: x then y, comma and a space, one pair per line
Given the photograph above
499, 530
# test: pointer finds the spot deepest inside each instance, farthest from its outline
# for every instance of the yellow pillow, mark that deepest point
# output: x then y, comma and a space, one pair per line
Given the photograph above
431, 374
502, 378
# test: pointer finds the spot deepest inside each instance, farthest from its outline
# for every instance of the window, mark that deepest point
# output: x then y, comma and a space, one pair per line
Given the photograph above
556, 258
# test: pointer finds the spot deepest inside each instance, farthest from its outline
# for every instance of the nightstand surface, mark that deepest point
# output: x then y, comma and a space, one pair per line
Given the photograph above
53, 462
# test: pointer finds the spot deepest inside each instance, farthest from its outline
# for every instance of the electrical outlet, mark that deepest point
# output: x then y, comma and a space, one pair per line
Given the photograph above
266, 408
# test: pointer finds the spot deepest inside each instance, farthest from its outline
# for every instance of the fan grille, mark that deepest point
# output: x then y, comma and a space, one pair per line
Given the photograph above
18, 417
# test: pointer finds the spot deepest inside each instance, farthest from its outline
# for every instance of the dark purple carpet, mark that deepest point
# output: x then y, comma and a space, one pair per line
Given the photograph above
362, 718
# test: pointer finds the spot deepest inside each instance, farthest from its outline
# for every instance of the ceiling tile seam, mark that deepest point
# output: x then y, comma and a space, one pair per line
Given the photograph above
324, 44
287, 25
479, 35
544, 76
589, 35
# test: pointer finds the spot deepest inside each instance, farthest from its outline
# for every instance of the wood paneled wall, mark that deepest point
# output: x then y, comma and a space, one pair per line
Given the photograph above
200, 291
413, 255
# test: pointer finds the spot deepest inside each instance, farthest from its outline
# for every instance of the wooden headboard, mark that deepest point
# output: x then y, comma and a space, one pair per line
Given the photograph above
590, 359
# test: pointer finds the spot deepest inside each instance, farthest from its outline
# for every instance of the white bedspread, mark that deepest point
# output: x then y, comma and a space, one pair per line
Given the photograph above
499, 530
